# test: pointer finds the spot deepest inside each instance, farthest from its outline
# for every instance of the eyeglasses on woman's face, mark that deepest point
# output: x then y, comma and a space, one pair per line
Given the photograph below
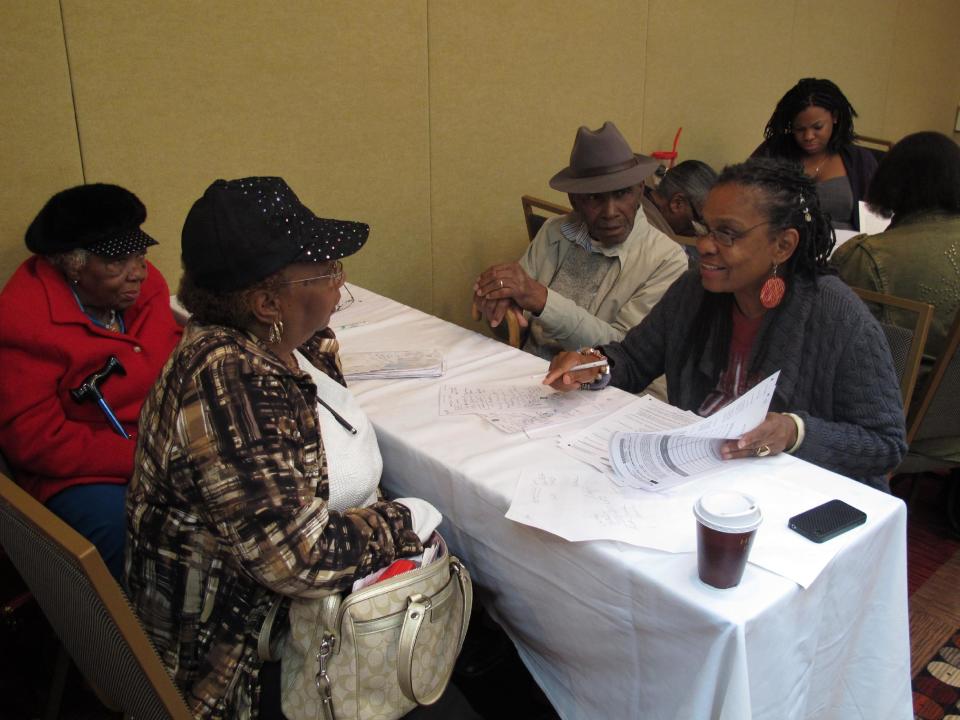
724, 236
336, 277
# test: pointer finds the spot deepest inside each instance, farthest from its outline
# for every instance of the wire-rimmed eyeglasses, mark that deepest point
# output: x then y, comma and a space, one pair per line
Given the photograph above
336, 278
724, 236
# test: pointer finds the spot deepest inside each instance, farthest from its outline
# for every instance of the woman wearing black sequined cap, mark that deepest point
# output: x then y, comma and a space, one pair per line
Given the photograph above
259, 476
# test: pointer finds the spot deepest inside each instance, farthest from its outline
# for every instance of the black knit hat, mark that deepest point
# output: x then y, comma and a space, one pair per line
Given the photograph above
103, 219
241, 231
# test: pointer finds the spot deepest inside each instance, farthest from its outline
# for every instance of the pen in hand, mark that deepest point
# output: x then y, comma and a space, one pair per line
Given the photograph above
586, 366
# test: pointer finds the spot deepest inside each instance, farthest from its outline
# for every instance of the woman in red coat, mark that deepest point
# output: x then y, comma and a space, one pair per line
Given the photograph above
86, 295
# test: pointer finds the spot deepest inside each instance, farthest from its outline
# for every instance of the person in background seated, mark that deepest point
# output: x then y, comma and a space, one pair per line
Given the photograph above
813, 124
763, 300
591, 275
259, 476
86, 295
675, 206
918, 256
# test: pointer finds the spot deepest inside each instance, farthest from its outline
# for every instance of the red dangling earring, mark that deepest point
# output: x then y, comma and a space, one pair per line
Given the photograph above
772, 291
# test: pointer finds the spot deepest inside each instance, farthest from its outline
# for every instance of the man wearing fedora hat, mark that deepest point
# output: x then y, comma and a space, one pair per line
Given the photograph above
593, 274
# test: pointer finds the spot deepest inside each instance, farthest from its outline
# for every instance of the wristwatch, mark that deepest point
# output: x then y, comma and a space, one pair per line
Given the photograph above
603, 379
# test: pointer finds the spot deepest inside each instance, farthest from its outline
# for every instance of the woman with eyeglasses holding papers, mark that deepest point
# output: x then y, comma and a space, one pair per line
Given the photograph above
813, 124
763, 300
257, 473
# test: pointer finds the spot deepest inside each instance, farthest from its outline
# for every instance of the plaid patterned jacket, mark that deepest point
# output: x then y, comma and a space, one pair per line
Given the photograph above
226, 511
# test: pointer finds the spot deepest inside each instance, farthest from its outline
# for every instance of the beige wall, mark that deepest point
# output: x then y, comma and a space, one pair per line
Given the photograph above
426, 118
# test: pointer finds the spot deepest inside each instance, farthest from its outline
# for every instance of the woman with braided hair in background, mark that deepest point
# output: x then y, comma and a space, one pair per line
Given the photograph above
813, 124
763, 300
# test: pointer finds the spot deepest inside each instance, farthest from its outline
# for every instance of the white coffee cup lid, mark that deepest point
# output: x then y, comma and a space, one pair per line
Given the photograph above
728, 511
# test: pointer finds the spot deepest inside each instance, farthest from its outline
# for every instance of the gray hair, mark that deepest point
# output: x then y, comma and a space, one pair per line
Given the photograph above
692, 178
70, 260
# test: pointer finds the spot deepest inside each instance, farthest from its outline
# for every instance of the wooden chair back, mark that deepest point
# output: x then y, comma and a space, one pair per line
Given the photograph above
877, 146
515, 335
535, 220
86, 608
906, 344
937, 414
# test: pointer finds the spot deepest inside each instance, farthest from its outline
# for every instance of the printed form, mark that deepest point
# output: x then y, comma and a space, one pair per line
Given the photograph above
654, 446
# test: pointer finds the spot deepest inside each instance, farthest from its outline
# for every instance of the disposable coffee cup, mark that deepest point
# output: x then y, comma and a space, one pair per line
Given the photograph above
727, 522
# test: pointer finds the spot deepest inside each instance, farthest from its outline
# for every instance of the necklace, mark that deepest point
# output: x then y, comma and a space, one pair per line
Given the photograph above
113, 322
816, 171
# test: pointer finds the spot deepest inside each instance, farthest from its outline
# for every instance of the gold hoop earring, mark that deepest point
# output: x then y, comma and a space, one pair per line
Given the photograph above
276, 332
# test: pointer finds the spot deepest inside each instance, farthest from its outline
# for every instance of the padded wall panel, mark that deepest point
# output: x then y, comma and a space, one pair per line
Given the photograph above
38, 135
712, 68
510, 83
332, 96
848, 43
924, 80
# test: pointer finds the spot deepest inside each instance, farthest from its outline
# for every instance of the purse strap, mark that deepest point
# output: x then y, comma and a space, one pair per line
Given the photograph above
417, 608
266, 650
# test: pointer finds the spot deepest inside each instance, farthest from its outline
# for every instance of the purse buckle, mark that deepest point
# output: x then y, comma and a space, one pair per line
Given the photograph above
420, 599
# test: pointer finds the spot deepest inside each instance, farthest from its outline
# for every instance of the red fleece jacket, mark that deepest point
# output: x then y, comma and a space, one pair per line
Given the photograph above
47, 347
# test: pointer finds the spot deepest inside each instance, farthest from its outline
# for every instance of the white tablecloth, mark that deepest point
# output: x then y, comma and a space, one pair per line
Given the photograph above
614, 631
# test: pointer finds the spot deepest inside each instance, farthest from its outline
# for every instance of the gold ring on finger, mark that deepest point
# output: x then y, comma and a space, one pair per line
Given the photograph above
763, 451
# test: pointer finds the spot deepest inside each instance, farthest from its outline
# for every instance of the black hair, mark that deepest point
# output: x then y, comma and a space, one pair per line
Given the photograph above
788, 200
920, 173
213, 307
806, 93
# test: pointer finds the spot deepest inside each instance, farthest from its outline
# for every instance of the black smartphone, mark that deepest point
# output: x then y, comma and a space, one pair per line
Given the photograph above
827, 521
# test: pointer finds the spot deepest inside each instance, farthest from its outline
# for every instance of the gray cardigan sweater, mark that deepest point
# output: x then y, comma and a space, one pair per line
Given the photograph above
835, 371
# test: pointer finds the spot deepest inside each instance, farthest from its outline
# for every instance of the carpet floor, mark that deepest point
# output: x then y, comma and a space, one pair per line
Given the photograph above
933, 567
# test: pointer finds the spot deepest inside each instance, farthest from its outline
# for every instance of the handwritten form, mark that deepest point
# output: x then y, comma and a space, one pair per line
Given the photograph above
470, 399
582, 505
532, 409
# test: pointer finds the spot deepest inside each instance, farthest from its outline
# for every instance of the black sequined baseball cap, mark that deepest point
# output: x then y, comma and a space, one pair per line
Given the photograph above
242, 231
100, 218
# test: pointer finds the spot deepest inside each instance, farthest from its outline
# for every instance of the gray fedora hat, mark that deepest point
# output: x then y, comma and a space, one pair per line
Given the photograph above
602, 161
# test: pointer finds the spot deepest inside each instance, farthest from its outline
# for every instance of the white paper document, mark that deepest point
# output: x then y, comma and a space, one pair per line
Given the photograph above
662, 458
592, 445
562, 411
870, 222
458, 399
582, 505
392, 364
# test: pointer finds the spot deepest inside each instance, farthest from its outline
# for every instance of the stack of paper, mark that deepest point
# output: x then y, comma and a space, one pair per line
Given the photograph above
392, 364
654, 446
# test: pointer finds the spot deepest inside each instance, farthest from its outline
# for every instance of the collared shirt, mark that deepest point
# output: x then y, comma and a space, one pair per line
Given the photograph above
227, 511
647, 262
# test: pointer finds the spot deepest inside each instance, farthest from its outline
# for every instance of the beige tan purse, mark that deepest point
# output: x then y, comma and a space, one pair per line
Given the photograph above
377, 653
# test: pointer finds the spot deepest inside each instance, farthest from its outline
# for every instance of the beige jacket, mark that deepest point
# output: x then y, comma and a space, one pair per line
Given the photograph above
649, 262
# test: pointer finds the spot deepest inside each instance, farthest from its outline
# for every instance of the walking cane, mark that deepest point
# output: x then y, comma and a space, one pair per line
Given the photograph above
90, 389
